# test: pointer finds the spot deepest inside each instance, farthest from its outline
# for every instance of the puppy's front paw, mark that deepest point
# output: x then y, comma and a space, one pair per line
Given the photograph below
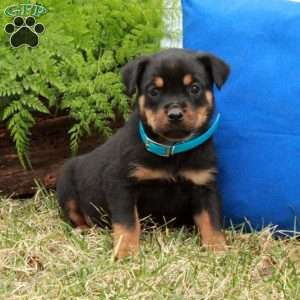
211, 236
215, 242
126, 241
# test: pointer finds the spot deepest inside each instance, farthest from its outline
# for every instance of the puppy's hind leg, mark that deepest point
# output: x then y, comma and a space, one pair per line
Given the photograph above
68, 197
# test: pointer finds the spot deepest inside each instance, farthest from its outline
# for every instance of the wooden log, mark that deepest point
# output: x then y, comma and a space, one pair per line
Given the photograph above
48, 151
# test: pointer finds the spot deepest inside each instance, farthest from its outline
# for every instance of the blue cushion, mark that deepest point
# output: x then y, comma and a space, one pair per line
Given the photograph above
258, 141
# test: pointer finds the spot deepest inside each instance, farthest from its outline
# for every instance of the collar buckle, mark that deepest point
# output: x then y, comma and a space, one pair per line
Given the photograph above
168, 151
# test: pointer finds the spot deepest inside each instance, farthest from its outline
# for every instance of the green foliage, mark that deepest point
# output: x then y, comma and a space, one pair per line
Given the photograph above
75, 69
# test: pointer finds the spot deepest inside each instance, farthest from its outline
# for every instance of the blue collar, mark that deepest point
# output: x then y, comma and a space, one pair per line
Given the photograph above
167, 151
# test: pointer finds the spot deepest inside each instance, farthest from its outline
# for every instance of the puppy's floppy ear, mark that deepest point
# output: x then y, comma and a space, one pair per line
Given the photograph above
217, 68
132, 73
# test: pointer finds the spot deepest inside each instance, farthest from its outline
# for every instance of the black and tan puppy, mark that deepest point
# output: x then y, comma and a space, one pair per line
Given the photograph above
127, 181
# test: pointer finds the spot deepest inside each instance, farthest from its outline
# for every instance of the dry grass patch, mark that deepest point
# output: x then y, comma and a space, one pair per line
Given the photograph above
42, 257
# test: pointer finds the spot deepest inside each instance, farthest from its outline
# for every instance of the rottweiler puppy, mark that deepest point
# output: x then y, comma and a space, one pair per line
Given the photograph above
162, 162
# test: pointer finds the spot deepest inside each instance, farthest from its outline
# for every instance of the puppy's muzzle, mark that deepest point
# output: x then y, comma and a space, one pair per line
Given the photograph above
175, 114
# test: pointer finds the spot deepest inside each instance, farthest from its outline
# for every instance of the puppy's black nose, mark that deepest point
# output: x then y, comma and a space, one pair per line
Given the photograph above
175, 114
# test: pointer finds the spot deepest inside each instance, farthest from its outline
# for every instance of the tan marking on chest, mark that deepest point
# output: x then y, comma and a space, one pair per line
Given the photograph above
199, 177
142, 173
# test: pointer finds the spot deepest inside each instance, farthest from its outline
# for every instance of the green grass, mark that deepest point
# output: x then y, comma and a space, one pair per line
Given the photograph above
41, 257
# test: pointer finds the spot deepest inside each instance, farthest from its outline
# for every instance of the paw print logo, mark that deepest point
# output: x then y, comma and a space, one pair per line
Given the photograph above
24, 32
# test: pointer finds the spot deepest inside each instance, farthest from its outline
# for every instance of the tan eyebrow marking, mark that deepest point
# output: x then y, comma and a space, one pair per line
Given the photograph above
159, 82
187, 79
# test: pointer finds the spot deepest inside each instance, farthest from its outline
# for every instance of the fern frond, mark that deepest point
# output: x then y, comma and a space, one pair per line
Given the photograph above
19, 126
34, 104
76, 133
75, 70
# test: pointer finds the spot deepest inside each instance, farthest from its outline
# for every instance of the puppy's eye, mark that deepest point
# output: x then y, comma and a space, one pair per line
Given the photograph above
154, 92
195, 89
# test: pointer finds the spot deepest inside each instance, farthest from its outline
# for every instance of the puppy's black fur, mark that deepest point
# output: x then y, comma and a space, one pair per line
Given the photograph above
124, 180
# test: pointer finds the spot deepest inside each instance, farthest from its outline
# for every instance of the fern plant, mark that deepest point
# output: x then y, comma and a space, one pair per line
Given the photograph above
75, 69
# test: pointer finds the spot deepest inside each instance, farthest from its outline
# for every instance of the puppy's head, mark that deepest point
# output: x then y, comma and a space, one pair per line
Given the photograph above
174, 90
